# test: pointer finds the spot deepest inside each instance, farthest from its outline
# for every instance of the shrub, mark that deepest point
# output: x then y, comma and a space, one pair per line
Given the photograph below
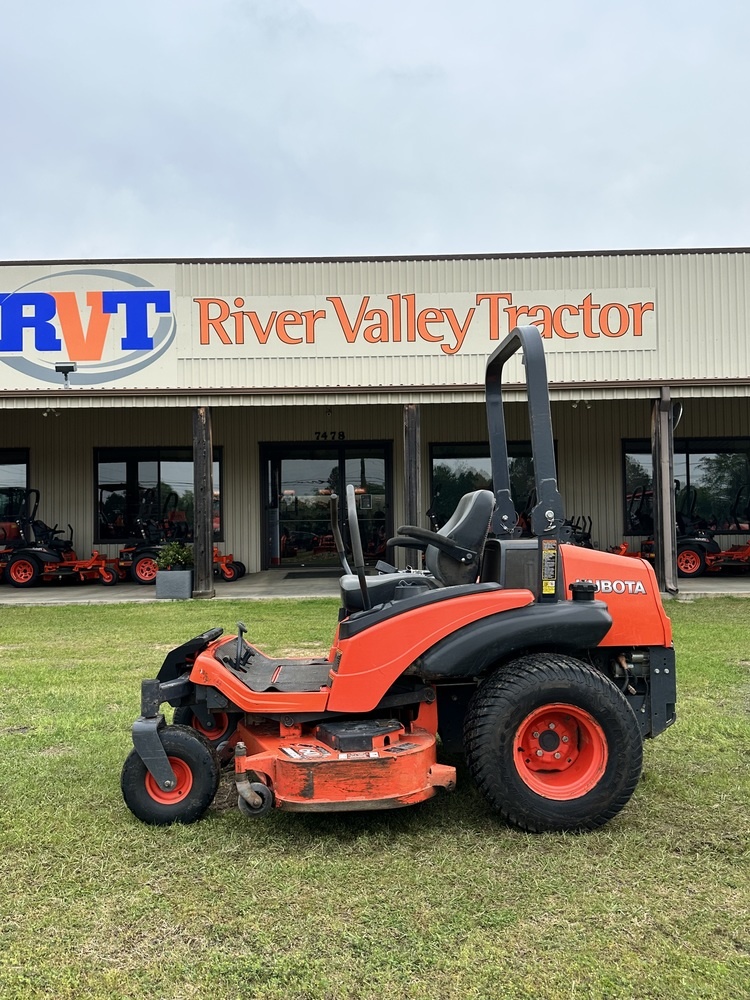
175, 555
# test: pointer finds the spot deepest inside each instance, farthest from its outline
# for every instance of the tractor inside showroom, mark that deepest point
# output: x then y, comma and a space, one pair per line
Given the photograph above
139, 557
32, 552
545, 662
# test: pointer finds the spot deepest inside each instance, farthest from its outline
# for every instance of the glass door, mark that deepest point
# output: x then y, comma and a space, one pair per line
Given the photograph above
298, 483
365, 470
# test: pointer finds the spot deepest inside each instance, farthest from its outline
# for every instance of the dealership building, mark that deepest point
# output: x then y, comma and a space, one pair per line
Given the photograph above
306, 375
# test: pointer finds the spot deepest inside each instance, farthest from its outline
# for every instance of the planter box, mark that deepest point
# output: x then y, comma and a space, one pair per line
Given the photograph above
174, 584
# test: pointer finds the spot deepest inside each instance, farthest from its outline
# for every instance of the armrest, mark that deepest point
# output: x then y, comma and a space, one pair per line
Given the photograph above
420, 538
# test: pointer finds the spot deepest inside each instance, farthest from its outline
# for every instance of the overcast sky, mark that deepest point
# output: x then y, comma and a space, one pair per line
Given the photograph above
308, 128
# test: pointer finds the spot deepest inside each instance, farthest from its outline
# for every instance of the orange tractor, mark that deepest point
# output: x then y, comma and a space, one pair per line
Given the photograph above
547, 663
32, 552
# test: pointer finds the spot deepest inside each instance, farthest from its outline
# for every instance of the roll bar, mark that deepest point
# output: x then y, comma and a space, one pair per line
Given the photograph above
548, 515
549, 510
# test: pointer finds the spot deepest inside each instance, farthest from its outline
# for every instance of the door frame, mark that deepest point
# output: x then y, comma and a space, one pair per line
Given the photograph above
274, 452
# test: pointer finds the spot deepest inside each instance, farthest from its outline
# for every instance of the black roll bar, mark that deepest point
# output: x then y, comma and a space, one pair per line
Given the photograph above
548, 515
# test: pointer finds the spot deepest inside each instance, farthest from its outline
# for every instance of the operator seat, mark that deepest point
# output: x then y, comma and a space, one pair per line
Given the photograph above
452, 555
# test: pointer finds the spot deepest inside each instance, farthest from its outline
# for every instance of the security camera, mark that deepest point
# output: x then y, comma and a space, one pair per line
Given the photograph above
64, 369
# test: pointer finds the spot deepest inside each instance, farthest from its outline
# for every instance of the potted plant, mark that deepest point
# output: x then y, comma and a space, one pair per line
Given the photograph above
174, 571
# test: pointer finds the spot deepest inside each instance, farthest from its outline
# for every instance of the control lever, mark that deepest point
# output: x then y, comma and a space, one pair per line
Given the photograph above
240, 656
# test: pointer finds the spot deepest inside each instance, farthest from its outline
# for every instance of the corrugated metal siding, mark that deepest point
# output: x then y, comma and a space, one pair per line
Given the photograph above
70, 401
701, 312
588, 446
701, 307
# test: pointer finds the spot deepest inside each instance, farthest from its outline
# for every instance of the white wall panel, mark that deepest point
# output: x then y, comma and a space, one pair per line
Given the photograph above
701, 307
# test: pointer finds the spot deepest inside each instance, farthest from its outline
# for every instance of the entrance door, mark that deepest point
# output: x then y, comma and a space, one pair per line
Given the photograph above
299, 481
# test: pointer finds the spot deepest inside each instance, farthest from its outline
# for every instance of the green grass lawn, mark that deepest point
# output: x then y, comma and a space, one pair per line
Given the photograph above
436, 901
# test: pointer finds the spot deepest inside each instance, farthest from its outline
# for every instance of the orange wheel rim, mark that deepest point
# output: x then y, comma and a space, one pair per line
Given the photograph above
22, 571
146, 569
221, 720
688, 561
560, 751
184, 777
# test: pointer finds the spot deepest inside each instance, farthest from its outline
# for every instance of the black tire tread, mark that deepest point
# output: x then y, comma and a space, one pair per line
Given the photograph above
497, 699
190, 746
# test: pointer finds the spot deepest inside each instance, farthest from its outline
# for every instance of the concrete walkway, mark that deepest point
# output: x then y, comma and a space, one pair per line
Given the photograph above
277, 584
271, 584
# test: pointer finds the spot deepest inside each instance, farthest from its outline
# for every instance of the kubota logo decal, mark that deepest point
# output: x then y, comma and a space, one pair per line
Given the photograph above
619, 587
110, 323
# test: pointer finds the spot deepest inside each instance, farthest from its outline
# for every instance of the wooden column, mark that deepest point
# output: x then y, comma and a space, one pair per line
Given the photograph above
412, 476
203, 487
665, 515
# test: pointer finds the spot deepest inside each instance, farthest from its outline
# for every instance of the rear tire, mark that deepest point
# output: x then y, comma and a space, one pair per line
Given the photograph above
691, 561
196, 768
552, 744
143, 569
23, 571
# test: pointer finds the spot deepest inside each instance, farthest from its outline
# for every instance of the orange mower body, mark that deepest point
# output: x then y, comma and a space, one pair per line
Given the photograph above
547, 664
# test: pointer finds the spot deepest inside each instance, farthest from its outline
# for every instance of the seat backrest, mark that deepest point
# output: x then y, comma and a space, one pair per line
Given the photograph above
468, 527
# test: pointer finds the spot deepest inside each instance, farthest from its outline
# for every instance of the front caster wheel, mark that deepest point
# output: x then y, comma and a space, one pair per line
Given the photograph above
196, 769
552, 744
264, 796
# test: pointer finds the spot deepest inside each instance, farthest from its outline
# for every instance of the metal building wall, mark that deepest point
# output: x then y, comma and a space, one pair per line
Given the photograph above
588, 446
701, 300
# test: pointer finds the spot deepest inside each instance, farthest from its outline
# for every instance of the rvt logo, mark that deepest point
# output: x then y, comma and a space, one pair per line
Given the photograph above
34, 311
110, 333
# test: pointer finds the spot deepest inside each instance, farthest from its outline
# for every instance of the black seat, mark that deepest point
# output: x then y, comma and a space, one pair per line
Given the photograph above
452, 555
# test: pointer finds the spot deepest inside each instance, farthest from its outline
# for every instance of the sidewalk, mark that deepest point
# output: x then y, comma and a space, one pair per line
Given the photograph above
270, 584
277, 584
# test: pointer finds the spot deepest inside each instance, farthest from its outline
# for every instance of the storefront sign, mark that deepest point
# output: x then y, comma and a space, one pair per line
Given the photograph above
417, 324
140, 328
110, 324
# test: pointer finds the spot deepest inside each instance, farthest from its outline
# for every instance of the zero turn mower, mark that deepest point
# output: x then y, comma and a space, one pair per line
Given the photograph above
38, 553
547, 663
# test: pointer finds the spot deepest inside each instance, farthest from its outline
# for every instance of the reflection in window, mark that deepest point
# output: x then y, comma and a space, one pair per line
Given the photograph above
149, 489
458, 469
711, 481
14, 473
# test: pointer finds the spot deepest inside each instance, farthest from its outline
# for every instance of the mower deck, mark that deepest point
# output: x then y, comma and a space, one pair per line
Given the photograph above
344, 765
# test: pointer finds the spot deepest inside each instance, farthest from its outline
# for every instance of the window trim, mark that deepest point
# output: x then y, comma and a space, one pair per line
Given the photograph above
154, 453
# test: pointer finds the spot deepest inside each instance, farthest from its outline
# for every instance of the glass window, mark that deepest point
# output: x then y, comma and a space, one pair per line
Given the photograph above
14, 481
462, 468
152, 487
711, 481
14, 468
